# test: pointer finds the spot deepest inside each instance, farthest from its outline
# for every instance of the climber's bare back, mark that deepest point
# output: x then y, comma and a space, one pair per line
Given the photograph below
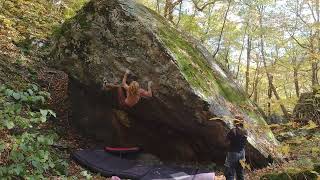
133, 92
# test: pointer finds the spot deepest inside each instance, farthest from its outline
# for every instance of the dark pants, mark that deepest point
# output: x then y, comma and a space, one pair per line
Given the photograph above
233, 167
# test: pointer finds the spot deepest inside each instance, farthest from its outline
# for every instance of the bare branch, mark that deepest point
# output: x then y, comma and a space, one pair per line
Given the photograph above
298, 11
196, 5
299, 43
311, 9
176, 3
299, 16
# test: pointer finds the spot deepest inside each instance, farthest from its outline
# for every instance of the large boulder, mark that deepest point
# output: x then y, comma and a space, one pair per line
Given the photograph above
194, 99
307, 108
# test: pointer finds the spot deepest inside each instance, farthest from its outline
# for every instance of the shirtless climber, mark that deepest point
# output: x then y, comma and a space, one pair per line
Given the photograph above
132, 93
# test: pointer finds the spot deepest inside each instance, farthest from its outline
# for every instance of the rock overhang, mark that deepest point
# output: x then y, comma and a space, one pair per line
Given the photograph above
131, 35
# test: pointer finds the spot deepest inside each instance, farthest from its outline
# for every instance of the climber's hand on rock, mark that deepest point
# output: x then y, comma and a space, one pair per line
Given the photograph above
127, 71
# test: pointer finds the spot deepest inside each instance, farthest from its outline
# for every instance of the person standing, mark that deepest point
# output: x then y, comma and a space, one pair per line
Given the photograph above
237, 138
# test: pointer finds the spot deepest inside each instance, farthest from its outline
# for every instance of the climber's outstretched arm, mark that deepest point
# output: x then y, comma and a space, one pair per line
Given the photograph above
124, 80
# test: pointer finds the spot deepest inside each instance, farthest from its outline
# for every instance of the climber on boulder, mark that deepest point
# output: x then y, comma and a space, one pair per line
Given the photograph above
129, 95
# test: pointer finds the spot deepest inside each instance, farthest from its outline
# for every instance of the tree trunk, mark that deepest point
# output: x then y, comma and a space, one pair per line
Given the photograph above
158, 6
315, 68
296, 81
169, 7
227, 59
269, 95
222, 29
207, 29
248, 65
242, 47
256, 84
166, 8
270, 79
288, 94
180, 12
315, 74
269, 76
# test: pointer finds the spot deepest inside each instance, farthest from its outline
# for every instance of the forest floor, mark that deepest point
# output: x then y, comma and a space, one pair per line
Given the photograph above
72, 140
299, 144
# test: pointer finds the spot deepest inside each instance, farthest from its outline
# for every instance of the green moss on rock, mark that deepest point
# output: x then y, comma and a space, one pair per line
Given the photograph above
201, 76
195, 68
190, 61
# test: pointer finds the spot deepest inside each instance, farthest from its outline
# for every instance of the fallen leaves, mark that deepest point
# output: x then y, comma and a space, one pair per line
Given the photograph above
244, 164
285, 149
310, 125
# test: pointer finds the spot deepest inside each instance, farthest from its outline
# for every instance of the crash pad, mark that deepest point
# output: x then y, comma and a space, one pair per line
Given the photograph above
107, 164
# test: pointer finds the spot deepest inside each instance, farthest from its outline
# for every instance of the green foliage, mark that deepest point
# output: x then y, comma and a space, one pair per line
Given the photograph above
25, 30
30, 155
16, 108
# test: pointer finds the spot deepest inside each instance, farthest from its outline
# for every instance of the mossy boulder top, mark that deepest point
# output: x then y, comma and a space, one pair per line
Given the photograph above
194, 100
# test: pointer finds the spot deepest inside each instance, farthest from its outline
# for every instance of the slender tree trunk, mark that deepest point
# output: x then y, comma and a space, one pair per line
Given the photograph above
295, 75
169, 7
158, 6
242, 47
248, 64
285, 89
256, 84
269, 76
170, 13
296, 81
166, 8
269, 96
207, 29
318, 36
270, 81
180, 12
315, 67
227, 59
314, 64
317, 10
222, 29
